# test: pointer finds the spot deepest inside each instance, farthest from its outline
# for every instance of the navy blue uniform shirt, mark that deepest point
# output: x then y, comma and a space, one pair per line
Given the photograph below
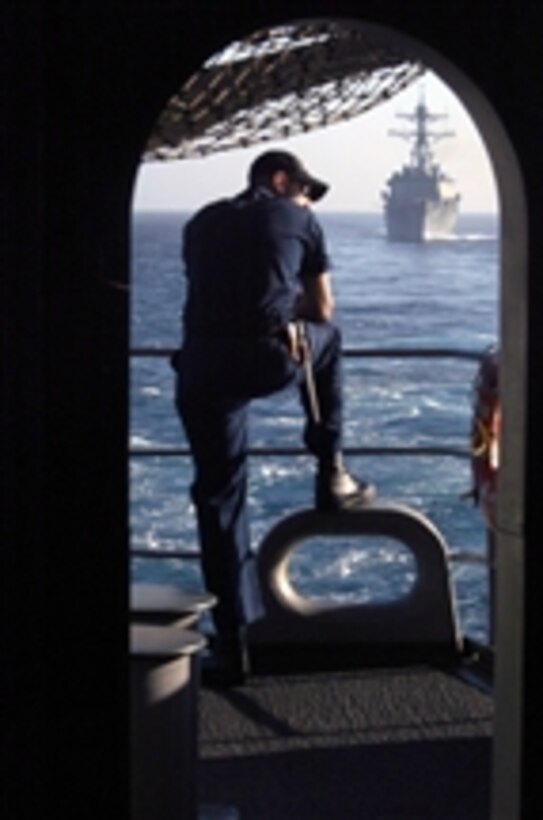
245, 260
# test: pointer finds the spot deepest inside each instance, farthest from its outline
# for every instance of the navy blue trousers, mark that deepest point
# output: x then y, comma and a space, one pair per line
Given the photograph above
217, 378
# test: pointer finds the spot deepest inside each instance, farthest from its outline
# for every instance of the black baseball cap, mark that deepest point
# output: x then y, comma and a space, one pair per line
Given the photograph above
271, 161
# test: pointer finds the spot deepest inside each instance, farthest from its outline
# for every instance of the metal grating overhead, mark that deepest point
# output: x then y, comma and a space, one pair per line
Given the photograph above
277, 83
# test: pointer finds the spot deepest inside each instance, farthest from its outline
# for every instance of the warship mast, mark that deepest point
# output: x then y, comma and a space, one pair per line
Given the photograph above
421, 152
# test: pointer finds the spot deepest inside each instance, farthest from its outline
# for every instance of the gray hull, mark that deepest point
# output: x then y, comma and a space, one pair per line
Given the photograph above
420, 221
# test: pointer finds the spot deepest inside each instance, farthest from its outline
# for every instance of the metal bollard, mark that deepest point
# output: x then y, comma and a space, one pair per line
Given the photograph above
166, 604
164, 678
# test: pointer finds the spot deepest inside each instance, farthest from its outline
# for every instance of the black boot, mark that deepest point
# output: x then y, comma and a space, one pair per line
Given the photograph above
228, 663
336, 490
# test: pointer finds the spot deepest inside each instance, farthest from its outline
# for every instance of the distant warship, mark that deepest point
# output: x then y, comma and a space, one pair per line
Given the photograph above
419, 202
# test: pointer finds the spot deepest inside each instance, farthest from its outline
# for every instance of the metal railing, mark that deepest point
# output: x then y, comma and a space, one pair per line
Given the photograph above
348, 353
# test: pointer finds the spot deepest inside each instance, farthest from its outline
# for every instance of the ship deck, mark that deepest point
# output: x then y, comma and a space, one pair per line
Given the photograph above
411, 742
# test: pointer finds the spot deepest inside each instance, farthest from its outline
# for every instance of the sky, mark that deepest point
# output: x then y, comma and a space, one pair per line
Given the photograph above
355, 158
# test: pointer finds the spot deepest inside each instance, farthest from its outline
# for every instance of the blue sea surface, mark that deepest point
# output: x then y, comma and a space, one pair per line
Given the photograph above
442, 294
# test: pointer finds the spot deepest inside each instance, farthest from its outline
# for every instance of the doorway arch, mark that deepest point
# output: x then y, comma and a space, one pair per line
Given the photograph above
513, 287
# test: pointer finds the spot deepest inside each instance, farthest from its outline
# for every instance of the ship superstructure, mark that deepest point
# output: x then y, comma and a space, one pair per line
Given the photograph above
420, 202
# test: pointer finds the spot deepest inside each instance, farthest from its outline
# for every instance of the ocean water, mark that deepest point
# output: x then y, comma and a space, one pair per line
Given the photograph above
441, 294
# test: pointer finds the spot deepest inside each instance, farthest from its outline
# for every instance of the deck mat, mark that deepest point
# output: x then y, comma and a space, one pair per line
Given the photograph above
383, 744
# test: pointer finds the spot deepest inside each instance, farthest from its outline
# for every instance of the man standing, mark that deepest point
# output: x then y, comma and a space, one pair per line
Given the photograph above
259, 304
